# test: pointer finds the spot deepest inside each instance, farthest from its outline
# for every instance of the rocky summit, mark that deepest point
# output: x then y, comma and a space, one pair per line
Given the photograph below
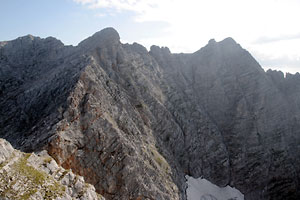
135, 122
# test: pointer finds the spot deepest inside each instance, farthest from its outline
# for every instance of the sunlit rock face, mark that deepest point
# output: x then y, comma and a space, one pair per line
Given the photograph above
134, 122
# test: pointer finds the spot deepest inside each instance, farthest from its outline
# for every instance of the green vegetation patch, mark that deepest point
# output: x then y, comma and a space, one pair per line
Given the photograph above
28, 194
33, 180
29, 172
160, 160
2, 165
47, 160
54, 191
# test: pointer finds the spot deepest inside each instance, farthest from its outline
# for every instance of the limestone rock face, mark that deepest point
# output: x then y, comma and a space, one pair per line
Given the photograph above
37, 176
133, 123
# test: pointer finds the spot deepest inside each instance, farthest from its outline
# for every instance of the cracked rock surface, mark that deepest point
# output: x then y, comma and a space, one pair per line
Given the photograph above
134, 122
37, 177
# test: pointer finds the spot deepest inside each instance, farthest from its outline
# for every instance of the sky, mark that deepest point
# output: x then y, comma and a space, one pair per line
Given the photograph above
268, 29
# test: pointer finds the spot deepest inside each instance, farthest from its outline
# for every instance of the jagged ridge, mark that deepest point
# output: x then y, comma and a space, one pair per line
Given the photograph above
134, 122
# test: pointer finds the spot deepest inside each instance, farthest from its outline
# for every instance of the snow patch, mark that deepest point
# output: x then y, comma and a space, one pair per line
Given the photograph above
202, 189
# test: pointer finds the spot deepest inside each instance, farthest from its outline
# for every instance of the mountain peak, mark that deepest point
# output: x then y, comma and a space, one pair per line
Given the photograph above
29, 36
212, 41
105, 36
228, 41
108, 33
161, 50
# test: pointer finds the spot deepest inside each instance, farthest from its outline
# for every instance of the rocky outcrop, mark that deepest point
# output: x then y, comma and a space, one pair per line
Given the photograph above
134, 123
37, 176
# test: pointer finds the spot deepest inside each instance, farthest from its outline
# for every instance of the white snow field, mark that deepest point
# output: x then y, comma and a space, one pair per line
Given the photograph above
202, 189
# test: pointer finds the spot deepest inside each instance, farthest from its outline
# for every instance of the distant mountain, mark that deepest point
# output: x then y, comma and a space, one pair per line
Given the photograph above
134, 122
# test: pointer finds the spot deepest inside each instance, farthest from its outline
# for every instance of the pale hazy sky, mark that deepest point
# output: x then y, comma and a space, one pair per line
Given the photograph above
269, 29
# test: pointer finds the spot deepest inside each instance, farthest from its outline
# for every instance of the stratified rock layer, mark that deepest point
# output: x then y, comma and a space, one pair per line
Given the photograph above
134, 122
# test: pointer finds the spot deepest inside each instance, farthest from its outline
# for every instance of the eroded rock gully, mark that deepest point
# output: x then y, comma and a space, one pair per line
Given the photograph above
134, 122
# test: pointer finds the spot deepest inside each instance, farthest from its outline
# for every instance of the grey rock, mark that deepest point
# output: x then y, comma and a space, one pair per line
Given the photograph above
133, 123
6, 150
208, 197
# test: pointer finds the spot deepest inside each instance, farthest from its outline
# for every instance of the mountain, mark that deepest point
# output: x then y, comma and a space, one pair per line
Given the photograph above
135, 122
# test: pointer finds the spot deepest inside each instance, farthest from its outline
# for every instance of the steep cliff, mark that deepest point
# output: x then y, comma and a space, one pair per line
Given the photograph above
134, 122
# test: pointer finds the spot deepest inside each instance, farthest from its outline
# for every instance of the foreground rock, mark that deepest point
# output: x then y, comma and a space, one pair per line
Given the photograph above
37, 176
